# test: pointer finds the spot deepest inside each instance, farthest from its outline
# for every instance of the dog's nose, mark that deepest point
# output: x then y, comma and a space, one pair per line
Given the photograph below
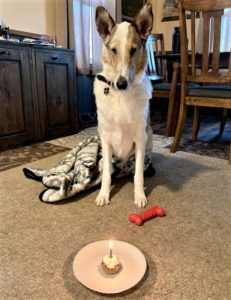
122, 83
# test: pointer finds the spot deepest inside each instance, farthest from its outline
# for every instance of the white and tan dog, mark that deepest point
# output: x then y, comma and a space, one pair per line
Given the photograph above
122, 93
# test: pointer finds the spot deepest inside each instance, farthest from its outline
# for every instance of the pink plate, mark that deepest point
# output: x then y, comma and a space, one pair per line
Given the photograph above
88, 270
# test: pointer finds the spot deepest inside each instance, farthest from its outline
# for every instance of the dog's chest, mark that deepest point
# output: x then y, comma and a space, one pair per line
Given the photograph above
116, 114
122, 116
119, 120
120, 108
120, 138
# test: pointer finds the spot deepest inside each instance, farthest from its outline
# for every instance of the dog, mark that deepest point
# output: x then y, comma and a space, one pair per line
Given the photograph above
122, 93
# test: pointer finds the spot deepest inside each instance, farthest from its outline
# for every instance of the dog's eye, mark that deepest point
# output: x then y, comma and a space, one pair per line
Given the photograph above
114, 50
132, 51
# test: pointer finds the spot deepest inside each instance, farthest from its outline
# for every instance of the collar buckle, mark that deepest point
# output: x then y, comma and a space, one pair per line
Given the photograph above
106, 91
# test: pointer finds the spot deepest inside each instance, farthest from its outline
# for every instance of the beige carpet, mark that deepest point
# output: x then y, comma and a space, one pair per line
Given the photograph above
188, 252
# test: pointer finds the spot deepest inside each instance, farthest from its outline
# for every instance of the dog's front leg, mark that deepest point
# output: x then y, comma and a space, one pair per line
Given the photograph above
140, 198
103, 197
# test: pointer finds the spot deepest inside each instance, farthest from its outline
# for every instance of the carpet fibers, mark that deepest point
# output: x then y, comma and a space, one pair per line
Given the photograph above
188, 252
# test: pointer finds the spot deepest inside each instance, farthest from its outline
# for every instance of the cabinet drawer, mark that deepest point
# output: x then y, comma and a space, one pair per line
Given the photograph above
55, 57
10, 54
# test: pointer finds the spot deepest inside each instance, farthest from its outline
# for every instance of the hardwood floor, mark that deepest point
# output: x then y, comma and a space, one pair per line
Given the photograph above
208, 132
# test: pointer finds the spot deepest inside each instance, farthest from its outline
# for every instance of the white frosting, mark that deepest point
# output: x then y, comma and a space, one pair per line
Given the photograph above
111, 262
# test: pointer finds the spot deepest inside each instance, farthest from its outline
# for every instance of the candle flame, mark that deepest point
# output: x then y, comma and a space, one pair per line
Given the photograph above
111, 244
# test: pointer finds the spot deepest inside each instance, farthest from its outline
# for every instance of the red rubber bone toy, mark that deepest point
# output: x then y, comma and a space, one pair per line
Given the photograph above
152, 212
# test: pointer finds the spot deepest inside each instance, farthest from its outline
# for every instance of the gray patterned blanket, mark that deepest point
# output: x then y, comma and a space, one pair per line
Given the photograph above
81, 169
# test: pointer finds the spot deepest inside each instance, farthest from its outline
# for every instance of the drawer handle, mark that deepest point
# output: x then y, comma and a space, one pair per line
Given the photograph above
55, 57
7, 52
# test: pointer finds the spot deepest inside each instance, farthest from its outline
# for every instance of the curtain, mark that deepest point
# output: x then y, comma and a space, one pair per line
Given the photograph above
88, 44
225, 43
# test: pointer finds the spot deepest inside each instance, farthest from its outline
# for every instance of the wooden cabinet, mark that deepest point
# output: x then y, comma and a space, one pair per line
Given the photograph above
37, 94
16, 103
56, 92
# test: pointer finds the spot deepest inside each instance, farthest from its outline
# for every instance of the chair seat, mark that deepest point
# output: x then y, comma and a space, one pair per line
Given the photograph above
155, 77
163, 86
167, 86
211, 91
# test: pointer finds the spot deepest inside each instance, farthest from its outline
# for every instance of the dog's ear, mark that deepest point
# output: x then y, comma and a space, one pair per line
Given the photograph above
144, 21
104, 22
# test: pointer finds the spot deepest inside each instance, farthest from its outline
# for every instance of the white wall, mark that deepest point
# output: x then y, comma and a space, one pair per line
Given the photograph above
36, 16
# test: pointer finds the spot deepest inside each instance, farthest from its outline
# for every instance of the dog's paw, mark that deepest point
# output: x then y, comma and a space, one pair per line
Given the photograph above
141, 201
102, 199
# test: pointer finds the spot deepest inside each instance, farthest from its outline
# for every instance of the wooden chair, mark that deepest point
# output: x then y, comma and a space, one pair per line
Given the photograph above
217, 91
156, 72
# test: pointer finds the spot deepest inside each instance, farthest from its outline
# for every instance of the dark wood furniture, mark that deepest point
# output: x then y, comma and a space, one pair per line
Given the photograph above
156, 71
210, 96
37, 93
173, 60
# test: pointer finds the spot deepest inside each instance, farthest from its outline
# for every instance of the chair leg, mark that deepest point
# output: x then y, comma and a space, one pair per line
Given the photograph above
180, 127
230, 153
170, 114
176, 112
223, 121
171, 103
196, 122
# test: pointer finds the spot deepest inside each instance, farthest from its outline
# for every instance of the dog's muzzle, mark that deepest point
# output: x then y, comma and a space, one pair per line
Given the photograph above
122, 83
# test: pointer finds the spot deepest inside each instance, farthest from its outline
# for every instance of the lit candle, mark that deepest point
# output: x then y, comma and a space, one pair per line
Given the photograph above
110, 246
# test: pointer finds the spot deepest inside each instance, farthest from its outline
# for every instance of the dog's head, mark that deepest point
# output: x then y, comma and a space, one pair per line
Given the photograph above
124, 53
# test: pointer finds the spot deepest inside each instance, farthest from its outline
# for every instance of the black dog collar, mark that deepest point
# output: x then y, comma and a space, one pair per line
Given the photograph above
104, 79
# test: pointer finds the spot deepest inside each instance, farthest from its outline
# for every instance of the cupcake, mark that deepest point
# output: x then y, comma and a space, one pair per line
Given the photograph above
111, 265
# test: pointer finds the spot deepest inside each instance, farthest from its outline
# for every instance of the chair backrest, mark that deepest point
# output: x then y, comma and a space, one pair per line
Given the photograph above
155, 45
210, 62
